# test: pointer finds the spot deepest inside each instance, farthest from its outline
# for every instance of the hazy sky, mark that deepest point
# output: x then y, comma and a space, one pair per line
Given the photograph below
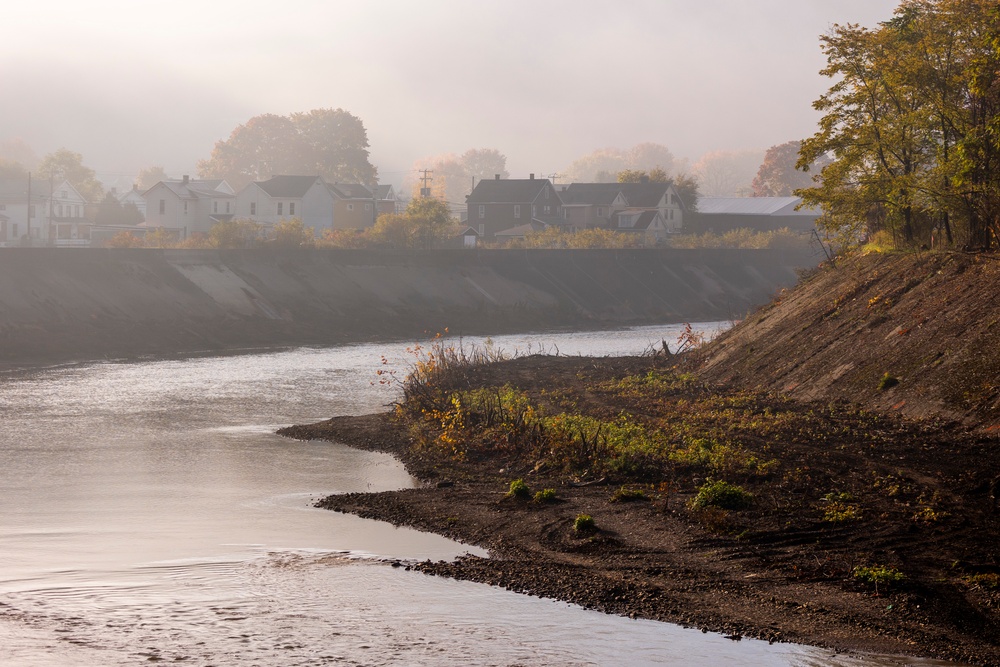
132, 84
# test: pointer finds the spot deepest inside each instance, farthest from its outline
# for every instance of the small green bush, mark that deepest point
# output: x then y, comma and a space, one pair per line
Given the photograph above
723, 495
878, 575
887, 382
519, 490
838, 512
546, 496
625, 494
584, 523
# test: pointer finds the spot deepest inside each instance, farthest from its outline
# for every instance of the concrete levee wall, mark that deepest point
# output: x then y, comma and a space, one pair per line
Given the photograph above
61, 304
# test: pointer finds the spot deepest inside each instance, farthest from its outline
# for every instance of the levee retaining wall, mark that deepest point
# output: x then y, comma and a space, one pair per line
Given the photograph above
60, 304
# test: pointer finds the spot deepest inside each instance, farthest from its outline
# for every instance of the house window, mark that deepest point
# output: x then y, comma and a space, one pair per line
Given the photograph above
62, 194
482, 229
13, 230
280, 207
163, 206
291, 208
482, 211
31, 211
350, 207
534, 211
253, 208
227, 207
600, 212
215, 206
517, 210
565, 214
185, 208
548, 209
59, 210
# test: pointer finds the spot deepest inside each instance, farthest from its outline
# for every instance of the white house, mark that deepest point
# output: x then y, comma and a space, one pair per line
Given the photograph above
56, 209
189, 205
285, 197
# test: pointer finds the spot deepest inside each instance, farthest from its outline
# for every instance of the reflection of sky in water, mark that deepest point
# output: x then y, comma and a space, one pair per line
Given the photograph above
150, 513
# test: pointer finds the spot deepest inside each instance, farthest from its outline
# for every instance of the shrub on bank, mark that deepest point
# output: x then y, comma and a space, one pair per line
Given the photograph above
723, 495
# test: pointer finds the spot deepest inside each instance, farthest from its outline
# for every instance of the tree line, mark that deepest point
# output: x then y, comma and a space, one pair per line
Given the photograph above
911, 127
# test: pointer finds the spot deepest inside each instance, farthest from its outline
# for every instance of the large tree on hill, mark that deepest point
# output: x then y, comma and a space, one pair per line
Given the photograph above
331, 143
778, 175
912, 125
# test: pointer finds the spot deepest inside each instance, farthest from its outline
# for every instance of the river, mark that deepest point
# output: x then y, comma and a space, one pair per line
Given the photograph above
150, 513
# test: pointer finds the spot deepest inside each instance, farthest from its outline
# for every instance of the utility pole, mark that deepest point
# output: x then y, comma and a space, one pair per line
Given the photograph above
28, 216
52, 186
426, 191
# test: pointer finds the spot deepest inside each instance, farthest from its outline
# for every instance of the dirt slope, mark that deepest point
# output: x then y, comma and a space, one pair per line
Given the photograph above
927, 320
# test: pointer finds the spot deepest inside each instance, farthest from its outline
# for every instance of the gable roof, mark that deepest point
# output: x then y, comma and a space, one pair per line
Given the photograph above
509, 191
287, 186
194, 189
522, 230
17, 188
593, 194
639, 195
385, 192
781, 206
350, 191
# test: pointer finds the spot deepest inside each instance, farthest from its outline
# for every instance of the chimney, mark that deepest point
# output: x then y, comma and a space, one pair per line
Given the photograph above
496, 177
644, 179
531, 176
186, 179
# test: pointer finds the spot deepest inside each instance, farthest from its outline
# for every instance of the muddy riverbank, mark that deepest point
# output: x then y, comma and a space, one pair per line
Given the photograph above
862, 532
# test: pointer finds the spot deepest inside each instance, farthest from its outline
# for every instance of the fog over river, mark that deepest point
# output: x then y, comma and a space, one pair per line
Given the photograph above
149, 513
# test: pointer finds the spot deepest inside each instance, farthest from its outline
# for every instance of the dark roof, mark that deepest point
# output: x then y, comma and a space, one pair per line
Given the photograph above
645, 220
508, 191
639, 195
383, 191
290, 187
350, 191
594, 194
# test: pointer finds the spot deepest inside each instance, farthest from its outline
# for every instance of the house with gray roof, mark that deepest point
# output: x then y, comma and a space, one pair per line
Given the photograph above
589, 205
762, 214
505, 203
188, 205
279, 198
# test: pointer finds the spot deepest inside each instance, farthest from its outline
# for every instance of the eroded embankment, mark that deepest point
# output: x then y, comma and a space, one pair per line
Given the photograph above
61, 304
912, 333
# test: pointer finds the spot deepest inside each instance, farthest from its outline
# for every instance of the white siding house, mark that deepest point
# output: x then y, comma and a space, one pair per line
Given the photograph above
57, 214
306, 198
188, 205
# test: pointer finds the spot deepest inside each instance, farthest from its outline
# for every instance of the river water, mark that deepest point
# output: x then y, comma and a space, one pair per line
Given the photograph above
149, 514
